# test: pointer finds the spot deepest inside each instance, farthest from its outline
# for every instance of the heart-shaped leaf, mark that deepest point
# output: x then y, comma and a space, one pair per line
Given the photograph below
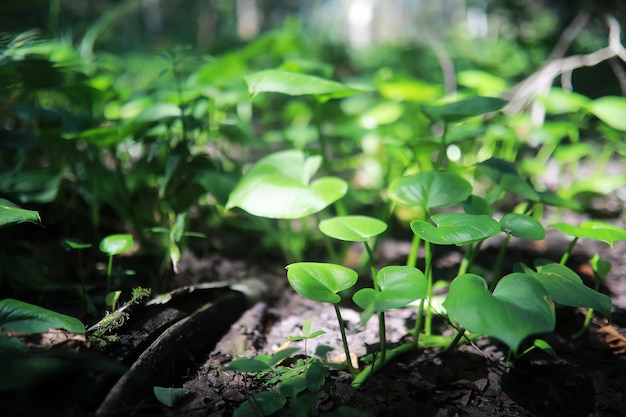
610, 110
399, 285
565, 287
352, 228
456, 228
12, 214
477, 205
429, 190
295, 84
593, 229
264, 403
463, 109
116, 244
518, 307
277, 186
522, 226
320, 281
505, 174
22, 317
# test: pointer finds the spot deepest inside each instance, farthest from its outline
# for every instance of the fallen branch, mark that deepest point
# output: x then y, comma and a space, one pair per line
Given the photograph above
523, 94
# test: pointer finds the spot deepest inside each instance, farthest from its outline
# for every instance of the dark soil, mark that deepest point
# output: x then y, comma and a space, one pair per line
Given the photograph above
225, 309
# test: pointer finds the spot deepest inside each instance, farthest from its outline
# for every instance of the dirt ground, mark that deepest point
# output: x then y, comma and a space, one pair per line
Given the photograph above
222, 309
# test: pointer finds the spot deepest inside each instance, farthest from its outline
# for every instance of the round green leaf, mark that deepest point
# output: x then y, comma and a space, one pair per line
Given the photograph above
518, 307
69, 244
22, 317
522, 226
352, 228
277, 186
565, 287
249, 365
463, 109
116, 244
399, 286
611, 110
456, 228
320, 281
505, 175
429, 190
601, 231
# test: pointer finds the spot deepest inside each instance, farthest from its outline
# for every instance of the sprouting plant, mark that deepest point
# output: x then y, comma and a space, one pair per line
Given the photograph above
307, 334
322, 282
114, 245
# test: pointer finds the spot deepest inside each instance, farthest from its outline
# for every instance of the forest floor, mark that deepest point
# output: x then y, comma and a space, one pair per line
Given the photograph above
222, 309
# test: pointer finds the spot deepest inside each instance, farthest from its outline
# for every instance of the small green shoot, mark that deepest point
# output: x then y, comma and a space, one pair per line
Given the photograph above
307, 334
114, 245
71, 244
321, 282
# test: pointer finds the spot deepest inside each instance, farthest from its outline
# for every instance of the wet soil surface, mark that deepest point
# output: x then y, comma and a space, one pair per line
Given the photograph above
226, 309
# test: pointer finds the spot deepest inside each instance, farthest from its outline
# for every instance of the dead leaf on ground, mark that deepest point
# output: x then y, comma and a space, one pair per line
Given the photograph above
614, 339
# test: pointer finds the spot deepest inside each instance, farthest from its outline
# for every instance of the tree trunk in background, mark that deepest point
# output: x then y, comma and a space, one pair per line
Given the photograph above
247, 19
207, 17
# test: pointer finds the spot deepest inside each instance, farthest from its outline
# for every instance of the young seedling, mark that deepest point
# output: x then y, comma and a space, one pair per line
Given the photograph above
114, 245
307, 334
359, 229
322, 282
449, 229
601, 231
70, 244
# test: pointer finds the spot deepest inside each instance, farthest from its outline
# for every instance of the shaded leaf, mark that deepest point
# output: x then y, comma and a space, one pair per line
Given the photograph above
522, 226
169, 396
429, 190
22, 317
505, 174
456, 228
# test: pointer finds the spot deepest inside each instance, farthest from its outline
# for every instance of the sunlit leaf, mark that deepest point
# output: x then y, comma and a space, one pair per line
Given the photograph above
294, 84
429, 190
320, 281
611, 110
518, 307
116, 244
352, 228
12, 214
593, 229
455, 228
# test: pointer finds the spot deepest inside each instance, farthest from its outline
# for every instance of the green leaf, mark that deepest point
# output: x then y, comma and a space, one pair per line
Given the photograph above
593, 229
116, 244
69, 244
477, 205
292, 386
429, 190
320, 281
111, 298
249, 365
601, 268
169, 396
463, 109
352, 228
565, 287
518, 307
611, 110
22, 317
261, 405
282, 354
505, 174
295, 84
277, 186
398, 285
559, 101
522, 226
315, 376
456, 228
13, 214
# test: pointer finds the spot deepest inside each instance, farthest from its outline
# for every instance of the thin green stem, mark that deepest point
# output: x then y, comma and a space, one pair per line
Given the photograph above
457, 338
429, 288
568, 252
382, 331
414, 252
344, 339
495, 277
109, 273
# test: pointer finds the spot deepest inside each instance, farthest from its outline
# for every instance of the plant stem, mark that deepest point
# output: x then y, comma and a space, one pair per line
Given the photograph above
568, 252
457, 338
109, 271
497, 267
414, 252
344, 339
429, 288
382, 331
